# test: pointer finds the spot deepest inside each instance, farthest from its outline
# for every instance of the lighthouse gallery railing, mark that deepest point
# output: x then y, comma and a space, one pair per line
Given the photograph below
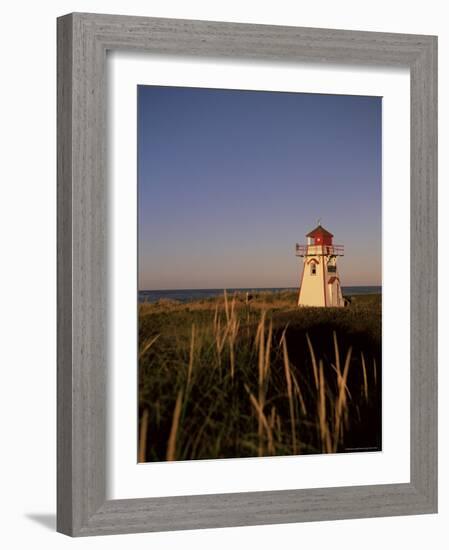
318, 249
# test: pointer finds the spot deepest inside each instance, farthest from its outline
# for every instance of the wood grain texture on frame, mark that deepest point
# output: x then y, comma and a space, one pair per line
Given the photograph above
83, 40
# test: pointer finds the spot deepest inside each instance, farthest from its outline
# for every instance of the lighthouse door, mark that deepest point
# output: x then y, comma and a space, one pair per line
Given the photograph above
333, 292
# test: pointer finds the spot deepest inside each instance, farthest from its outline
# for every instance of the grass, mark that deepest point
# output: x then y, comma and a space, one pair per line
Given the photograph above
219, 379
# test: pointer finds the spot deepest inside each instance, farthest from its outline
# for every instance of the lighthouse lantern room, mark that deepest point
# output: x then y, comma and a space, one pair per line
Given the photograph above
320, 283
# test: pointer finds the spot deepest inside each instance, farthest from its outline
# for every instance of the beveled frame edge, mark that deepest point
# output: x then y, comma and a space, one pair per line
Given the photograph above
83, 40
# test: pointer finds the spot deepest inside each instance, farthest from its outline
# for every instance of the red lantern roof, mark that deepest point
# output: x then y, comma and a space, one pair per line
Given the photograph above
319, 231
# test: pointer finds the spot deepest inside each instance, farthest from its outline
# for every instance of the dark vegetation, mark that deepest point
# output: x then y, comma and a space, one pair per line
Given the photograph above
221, 379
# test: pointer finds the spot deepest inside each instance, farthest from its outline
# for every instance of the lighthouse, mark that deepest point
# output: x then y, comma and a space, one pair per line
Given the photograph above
320, 283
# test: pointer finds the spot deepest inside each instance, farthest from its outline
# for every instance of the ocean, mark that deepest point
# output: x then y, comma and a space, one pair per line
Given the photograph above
189, 295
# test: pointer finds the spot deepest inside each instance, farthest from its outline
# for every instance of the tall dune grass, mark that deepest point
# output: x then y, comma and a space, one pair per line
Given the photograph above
226, 381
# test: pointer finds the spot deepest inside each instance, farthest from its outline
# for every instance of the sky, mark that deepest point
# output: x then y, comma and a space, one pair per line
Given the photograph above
229, 181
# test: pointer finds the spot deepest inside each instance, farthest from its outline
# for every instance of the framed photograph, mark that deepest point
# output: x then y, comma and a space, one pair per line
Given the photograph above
247, 274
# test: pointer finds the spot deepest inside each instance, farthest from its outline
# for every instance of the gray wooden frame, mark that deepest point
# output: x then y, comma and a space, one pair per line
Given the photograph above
83, 40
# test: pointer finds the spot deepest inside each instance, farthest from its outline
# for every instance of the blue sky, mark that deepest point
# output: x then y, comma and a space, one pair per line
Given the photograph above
230, 180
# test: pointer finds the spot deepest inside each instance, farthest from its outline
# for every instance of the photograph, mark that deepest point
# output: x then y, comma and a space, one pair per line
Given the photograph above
259, 273
222, 224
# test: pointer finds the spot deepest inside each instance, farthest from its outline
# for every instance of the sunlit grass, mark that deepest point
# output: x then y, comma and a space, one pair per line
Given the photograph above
219, 379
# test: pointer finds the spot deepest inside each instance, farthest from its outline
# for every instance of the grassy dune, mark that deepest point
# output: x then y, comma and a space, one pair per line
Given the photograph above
218, 379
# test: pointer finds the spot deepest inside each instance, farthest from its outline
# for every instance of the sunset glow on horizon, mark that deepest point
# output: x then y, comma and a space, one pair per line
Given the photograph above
230, 180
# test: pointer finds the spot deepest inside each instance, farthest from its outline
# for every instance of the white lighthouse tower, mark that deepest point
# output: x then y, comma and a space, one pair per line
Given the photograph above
320, 283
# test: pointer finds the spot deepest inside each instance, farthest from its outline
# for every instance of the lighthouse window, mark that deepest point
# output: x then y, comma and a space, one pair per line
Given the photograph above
313, 268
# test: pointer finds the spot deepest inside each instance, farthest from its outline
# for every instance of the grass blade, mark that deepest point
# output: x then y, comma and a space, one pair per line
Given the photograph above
171, 447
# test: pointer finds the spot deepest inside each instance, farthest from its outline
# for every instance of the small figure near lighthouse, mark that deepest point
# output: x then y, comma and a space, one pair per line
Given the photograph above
320, 283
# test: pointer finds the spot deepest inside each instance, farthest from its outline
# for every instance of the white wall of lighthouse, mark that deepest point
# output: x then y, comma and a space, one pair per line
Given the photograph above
320, 281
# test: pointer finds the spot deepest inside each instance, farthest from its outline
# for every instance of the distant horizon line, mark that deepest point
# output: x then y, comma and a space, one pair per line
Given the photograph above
243, 288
